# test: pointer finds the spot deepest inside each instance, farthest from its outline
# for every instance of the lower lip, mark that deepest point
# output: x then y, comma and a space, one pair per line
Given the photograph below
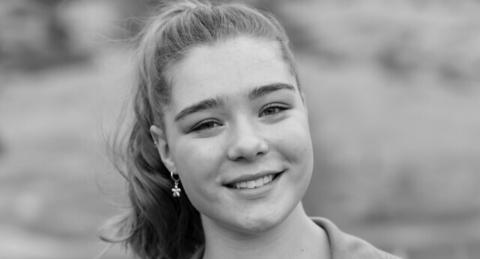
258, 192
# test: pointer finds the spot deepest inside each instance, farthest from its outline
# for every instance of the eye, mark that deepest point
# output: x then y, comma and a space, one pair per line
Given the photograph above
205, 125
272, 109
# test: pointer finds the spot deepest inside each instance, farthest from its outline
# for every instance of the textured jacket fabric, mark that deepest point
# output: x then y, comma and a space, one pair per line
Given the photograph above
342, 245
346, 246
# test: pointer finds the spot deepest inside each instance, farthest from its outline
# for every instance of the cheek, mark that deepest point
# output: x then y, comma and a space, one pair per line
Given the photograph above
196, 160
296, 143
299, 152
198, 166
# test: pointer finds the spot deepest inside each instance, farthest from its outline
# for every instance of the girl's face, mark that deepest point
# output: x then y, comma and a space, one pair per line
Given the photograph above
237, 134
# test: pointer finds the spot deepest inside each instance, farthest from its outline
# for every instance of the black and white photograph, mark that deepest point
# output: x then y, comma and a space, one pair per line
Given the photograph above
232, 129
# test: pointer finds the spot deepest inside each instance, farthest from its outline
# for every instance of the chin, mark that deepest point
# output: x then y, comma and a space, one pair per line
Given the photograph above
257, 225
254, 228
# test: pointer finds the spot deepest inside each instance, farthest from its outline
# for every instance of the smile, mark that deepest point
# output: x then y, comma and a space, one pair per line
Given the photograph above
254, 183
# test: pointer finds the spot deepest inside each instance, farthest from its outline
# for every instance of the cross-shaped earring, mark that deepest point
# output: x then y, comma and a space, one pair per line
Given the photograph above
175, 190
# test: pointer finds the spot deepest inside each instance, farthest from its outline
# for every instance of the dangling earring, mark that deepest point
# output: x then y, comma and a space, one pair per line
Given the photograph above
175, 190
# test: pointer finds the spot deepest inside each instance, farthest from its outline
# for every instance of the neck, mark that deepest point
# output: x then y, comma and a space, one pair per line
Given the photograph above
295, 237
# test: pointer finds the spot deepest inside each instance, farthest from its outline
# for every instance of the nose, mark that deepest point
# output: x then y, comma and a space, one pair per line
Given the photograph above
246, 143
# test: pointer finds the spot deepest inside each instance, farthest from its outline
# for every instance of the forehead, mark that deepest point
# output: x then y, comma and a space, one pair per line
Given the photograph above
227, 68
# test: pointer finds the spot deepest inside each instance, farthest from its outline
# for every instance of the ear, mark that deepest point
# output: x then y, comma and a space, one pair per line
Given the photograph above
160, 141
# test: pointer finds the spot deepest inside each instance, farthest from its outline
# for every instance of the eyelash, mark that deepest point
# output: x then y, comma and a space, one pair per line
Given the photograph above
208, 124
204, 125
279, 108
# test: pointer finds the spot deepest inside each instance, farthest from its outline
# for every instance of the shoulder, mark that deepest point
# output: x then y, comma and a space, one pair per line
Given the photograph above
343, 245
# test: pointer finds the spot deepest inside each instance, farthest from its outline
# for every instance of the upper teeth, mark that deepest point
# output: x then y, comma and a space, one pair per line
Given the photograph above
254, 183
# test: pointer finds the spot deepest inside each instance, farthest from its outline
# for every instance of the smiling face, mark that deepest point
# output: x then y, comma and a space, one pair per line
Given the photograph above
236, 132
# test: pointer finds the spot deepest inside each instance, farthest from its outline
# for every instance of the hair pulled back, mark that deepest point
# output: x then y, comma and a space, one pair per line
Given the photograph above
158, 225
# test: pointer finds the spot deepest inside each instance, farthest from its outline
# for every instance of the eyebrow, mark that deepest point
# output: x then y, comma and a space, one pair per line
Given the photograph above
266, 89
211, 103
202, 105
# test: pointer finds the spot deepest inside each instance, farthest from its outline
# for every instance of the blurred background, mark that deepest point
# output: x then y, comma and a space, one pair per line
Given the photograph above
394, 99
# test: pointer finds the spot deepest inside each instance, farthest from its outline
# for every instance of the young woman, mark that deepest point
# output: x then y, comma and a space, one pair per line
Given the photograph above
220, 154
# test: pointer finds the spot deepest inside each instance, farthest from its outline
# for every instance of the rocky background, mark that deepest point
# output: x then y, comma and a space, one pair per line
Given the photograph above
394, 99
